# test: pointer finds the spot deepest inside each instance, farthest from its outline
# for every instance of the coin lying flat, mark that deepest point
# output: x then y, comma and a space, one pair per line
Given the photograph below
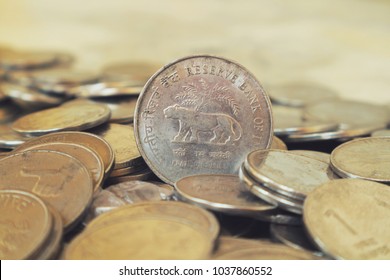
313, 154
380, 133
222, 193
25, 224
86, 156
121, 138
89, 140
58, 179
141, 238
122, 108
261, 250
26, 60
300, 94
287, 173
341, 227
141, 175
10, 139
201, 114
365, 158
187, 213
80, 117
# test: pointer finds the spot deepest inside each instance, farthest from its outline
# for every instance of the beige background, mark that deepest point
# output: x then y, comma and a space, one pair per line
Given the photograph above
343, 44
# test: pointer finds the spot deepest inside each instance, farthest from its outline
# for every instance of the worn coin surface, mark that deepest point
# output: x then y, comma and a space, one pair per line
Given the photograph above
77, 117
201, 114
349, 219
58, 179
121, 139
222, 193
300, 94
313, 154
86, 156
287, 173
140, 238
366, 158
25, 224
89, 140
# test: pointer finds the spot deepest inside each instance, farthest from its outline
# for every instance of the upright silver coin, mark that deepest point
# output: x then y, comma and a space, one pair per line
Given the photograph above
201, 114
366, 158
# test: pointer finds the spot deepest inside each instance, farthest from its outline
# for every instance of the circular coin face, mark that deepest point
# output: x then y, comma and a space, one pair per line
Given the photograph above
349, 219
25, 224
201, 114
365, 158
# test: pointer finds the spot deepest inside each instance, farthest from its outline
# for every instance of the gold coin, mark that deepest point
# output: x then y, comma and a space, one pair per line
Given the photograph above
26, 60
89, 140
142, 175
278, 144
127, 170
25, 224
364, 158
121, 138
80, 117
186, 213
146, 238
349, 219
59, 179
221, 193
52, 246
86, 156
10, 139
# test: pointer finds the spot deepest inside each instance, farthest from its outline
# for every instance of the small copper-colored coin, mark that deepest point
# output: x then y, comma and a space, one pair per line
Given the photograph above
59, 179
287, 173
264, 251
89, 140
195, 216
140, 238
77, 117
349, 219
121, 138
222, 193
86, 156
278, 144
364, 158
313, 154
25, 224
51, 248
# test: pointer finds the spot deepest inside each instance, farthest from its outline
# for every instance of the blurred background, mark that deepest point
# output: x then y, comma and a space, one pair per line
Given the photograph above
344, 45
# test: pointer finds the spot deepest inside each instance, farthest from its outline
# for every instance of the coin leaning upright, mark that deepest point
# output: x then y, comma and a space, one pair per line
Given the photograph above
201, 114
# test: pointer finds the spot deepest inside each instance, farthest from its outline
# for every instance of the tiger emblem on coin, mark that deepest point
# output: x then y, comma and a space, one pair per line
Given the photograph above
222, 127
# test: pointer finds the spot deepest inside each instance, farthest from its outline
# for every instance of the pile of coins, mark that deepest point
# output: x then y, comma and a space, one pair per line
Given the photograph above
191, 161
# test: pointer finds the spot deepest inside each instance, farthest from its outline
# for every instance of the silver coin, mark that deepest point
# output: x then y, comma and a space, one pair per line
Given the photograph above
348, 113
300, 94
313, 154
287, 173
289, 121
284, 202
221, 193
365, 158
201, 114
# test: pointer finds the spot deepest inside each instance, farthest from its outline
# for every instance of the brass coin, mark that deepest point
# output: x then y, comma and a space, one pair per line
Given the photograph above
86, 156
300, 94
142, 175
89, 140
278, 144
10, 139
348, 113
26, 60
222, 193
195, 216
146, 238
365, 158
105, 90
127, 170
201, 114
270, 196
25, 224
122, 108
29, 98
313, 154
52, 246
289, 121
59, 179
287, 173
349, 219
121, 139
80, 117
